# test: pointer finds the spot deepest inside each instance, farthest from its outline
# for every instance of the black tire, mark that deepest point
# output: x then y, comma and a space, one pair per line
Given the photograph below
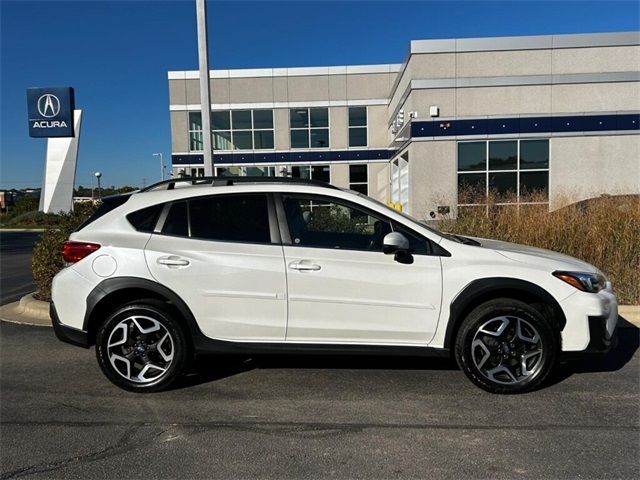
506, 362
139, 348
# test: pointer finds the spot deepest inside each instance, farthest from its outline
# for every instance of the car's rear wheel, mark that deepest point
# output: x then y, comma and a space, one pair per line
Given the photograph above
506, 346
141, 347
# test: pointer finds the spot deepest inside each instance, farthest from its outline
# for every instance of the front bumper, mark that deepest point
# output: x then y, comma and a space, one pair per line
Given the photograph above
66, 333
591, 320
601, 341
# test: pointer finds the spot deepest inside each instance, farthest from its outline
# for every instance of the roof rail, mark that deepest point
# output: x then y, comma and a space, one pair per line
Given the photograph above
226, 181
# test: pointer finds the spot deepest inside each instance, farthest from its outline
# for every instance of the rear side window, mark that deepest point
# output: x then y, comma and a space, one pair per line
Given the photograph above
177, 221
145, 220
233, 218
108, 204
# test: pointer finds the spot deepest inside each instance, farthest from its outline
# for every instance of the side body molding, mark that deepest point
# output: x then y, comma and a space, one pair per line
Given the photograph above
487, 288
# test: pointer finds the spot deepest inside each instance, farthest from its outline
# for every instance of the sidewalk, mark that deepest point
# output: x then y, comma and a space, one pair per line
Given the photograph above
30, 311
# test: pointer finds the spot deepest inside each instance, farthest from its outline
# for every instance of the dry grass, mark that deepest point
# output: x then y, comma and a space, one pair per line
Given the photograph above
604, 232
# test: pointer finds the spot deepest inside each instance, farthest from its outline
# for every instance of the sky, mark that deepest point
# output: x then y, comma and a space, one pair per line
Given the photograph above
116, 55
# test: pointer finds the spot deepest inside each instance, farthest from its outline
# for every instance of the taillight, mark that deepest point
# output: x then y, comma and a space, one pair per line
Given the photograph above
73, 252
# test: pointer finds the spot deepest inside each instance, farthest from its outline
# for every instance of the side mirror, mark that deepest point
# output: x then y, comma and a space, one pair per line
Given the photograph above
394, 243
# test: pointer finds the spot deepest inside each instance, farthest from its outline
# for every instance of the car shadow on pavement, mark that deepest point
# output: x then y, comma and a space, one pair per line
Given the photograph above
628, 343
209, 368
215, 367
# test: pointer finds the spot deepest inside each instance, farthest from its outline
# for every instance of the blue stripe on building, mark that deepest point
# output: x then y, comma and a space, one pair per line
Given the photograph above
525, 125
317, 156
435, 128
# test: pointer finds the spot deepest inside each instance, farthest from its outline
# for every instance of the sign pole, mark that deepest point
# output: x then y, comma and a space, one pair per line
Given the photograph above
205, 94
60, 171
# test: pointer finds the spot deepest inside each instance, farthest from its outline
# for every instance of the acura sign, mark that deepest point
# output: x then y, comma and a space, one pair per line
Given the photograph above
50, 112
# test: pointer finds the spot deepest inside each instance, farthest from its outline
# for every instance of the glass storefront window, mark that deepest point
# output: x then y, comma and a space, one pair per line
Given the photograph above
534, 154
472, 156
503, 155
517, 171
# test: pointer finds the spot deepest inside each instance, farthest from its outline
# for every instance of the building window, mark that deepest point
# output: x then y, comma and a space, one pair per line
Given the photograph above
242, 129
510, 171
358, 178
312, 172
195, 132
250, 171
357, 126
309, 127
234, 130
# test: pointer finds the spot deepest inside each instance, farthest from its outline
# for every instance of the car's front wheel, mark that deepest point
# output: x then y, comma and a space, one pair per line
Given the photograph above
506, 346
141, 347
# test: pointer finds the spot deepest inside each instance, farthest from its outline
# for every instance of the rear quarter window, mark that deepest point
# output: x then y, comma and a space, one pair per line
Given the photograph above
145, 220
108, 204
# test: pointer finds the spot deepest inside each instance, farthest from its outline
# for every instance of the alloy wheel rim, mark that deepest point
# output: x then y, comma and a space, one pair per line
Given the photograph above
140, 349
507, 350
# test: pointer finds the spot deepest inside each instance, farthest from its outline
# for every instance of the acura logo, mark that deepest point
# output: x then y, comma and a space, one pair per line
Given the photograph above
48, 105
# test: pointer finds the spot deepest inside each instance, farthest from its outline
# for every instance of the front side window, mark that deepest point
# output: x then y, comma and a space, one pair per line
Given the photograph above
309, 127
324, 223
357, 126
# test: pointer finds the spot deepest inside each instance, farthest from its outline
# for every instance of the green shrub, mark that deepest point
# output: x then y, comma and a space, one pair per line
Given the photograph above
47, 259
32, 220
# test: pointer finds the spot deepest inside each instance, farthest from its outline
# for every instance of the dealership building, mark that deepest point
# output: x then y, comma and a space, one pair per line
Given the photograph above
556, 115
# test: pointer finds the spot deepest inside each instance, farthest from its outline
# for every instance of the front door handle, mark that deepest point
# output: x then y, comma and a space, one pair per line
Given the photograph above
304, 265
173, 261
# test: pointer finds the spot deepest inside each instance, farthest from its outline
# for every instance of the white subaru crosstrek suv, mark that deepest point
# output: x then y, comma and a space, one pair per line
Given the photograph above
279, 265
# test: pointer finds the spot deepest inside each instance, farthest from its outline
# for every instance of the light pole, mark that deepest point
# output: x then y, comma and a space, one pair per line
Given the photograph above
161, 165
98, 175
205, 93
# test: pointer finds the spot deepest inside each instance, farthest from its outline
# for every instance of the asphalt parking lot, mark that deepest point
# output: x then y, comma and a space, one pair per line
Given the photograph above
15, 265
311, 417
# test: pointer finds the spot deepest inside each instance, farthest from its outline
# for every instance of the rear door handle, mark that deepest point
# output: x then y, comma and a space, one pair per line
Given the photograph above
173, 261
304, 265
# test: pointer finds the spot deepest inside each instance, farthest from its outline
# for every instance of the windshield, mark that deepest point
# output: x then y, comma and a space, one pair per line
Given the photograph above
409, 217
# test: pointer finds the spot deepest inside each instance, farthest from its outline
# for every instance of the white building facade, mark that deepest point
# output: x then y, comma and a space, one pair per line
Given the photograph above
558, 116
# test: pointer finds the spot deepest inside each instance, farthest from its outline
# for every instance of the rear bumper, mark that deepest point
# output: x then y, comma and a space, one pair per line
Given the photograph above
65, 333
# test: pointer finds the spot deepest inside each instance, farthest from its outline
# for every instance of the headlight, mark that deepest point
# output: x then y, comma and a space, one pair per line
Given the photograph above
587, 282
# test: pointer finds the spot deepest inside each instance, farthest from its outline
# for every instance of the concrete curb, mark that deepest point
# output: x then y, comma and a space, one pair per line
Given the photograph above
7, 230
631, 313
30, 311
